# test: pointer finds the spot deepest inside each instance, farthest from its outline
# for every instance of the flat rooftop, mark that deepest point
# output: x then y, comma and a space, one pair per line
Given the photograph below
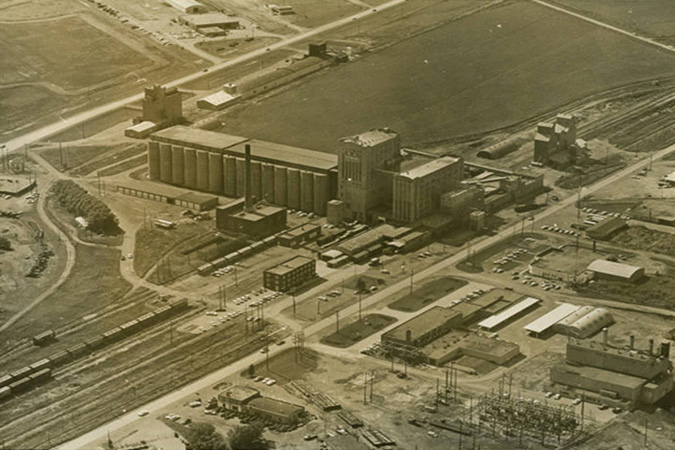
421, 324
371, 138
14, 184
429, 168
240, 393
209, 19
498, 319
274, 406
195, 137
304, 228
290, 265
549, 319
273, 153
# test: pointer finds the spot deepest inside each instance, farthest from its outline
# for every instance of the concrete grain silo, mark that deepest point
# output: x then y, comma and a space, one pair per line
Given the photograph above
241, 177
153, 160
293, 188
268, 182
215, 173
202, 170
177, 165
307, 191
280, 186
190, 162
256, 181
321, 193
230, 176
165, 173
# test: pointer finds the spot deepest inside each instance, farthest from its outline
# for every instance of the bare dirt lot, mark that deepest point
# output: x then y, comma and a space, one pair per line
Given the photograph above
466, 59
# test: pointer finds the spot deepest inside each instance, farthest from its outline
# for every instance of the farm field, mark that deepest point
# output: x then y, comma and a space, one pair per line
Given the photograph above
655, 18
487, 71
63, 52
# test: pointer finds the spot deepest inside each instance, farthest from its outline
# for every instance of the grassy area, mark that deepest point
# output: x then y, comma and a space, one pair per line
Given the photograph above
108, 158
359, 330
288, 365
75, 155
641, 238
96, 125
153, 243
68, 52
94, 283
506, 56
428, 293
656, 291
129, 164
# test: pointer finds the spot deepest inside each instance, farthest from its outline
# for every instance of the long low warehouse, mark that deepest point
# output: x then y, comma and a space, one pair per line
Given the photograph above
214, 162
497, 320
546, 322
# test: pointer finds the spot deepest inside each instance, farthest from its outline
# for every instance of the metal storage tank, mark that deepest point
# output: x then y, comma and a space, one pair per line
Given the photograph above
280, 186
293, 189
241, 176
268, 182
153, 160
190, 162
177, 166
321, 193
307, 191
256, 181
230, 176
202, 170
215, 173
165, 173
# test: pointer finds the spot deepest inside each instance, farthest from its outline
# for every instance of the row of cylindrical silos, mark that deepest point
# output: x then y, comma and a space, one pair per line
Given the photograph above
225, 174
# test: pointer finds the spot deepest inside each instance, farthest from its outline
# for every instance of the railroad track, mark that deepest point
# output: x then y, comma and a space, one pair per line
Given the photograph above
22, 431
25, 347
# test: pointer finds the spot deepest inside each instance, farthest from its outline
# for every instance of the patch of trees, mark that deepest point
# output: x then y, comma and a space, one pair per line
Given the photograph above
203, 436
5, 244
248, 437
79, 202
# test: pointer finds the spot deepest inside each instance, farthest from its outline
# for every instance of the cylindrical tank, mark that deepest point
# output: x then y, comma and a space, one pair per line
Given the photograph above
280, 186
321, 193
307, 191
293, 189
165, 173
241, 177
215, 173
202, 170
177, 166
230, 176
268, 182
256, 181
153, 160
190, 162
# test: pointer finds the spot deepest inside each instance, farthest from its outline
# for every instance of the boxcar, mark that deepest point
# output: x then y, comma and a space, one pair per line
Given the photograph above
42, 364
5, 380
44, 338
112, 335
5, 392
23, 372
94, 343
20, 385
40, 375
59, 358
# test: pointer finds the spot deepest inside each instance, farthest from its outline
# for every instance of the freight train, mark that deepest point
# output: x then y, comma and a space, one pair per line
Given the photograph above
20, 380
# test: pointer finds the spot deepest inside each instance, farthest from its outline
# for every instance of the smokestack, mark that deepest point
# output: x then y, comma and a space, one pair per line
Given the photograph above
248, 204
605, 335
651, 347
665, 350
632, 342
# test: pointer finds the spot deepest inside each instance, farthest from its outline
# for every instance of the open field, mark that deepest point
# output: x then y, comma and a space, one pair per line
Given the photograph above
78, 157
310, 14
427, 293
654, 18
358, 330
488, 71
642, 238
96, 125
64, 52
153, 243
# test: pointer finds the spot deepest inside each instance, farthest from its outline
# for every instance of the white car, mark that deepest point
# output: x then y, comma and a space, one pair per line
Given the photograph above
270, 382
143, 413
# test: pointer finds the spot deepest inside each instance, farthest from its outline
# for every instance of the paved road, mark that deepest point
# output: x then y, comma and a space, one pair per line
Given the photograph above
608, 26
57, 127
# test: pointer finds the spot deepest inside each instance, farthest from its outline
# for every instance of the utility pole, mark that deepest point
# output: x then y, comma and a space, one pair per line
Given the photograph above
337, 321
61, 155
365, 387
294, 304
412, 272
359, 306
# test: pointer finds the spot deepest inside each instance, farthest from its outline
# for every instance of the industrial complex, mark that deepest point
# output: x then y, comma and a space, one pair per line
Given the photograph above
336, 225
